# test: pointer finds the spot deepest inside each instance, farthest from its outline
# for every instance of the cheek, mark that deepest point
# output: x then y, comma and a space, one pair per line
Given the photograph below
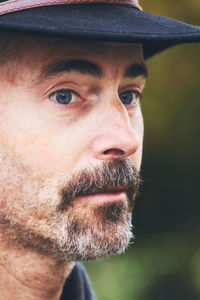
43, 146
49, 151
136, 121
35, 160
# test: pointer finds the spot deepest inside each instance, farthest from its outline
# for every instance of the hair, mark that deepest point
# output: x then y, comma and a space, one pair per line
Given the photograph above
11, 56
9, 45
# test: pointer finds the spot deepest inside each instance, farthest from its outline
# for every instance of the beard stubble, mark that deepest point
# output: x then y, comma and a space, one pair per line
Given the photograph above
85, 233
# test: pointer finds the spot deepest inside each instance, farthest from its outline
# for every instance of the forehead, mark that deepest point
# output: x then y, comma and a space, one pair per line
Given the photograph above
51, 47
34, 53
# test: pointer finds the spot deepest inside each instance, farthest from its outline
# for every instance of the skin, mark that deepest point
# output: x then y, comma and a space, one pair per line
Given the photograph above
39, 144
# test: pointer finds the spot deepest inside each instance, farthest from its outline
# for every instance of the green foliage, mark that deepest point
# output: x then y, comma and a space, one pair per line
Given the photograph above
137, 273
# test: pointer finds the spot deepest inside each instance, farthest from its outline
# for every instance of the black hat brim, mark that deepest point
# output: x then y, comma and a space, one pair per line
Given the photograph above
103, 22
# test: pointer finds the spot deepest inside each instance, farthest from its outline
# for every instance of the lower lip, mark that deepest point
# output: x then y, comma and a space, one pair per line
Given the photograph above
105, 197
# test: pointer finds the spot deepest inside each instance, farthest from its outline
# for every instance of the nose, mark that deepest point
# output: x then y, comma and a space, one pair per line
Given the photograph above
115, 136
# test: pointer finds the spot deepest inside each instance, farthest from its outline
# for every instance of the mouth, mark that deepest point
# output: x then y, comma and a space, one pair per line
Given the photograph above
116, 194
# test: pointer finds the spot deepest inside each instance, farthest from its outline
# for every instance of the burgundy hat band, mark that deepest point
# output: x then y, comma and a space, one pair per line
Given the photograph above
16, 5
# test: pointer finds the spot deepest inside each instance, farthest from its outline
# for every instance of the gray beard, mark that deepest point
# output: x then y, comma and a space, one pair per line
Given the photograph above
68, 232
77, 239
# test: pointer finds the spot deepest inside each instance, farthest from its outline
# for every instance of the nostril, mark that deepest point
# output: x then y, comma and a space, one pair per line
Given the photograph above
114, 152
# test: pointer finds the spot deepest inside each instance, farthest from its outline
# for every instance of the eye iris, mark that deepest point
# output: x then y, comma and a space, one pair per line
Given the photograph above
63, 97
127, 97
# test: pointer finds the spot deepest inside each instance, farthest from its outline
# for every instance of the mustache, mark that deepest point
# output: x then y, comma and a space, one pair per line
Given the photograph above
115, 174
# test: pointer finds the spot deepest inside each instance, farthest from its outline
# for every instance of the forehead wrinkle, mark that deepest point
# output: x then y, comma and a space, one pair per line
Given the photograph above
84, 49
72, 48
87, 46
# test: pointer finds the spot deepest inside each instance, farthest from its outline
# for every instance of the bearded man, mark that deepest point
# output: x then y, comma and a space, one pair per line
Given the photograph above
72, 74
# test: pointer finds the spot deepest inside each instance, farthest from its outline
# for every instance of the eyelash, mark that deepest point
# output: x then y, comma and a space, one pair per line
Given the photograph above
72, 93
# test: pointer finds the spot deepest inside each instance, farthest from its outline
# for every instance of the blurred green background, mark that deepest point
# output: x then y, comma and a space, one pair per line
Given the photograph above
164, 261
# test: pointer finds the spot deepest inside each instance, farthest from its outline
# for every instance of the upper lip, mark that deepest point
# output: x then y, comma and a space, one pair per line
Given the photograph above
112, 189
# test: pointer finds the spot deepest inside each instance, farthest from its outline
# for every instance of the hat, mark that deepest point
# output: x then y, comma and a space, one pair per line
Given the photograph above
101, 20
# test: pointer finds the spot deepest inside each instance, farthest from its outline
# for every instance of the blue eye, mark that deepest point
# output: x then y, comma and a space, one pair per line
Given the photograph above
129, 97
63, 96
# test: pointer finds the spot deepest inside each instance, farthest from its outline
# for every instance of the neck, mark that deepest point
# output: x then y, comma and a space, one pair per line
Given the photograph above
25, 274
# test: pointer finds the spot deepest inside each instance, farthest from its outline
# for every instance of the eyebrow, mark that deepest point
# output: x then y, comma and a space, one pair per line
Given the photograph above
87, 67
79, 65
135, 70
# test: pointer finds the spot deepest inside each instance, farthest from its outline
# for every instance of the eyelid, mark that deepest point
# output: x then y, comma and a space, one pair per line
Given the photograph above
136, 91
72, 103
60, 86
136, 102
139, 94
63, 90
131, 87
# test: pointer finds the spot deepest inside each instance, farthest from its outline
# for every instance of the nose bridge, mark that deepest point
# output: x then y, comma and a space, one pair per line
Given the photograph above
116, 118
115, 136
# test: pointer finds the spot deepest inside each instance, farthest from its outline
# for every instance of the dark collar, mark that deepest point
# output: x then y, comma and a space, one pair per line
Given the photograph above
77, 285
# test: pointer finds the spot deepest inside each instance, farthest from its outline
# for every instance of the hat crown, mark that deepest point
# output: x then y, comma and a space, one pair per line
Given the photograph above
8, 6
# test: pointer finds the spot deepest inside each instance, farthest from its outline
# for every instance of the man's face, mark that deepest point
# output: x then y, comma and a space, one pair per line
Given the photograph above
70, 146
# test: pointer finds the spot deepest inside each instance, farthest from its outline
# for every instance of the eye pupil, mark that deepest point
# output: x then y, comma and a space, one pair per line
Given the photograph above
127, 97
63, 97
